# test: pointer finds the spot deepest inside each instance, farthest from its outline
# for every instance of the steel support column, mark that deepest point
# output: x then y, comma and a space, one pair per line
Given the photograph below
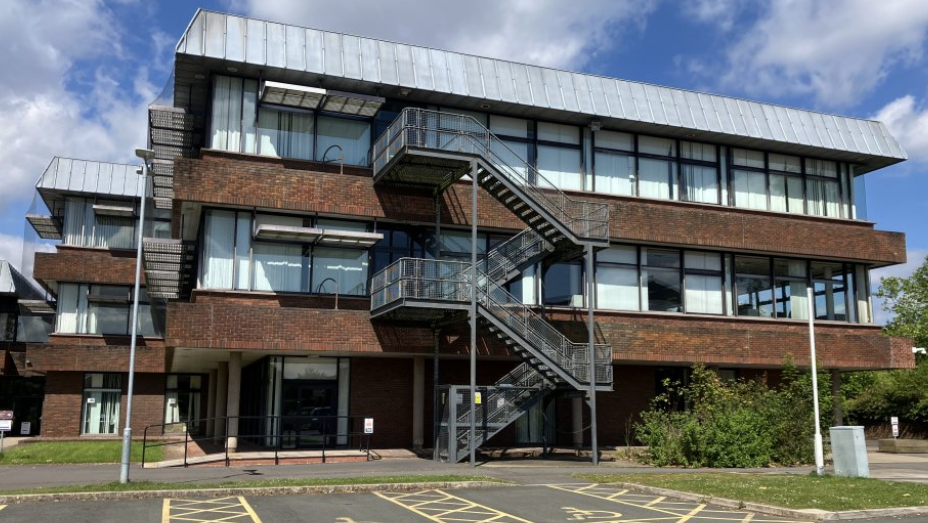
473, 314
591, 297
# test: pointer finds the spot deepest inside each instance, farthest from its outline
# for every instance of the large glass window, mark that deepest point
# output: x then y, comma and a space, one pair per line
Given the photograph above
791, 280
102, 394
699, 172
83, 228
182, 401
101, 309
750, 189
830, 290
617, 278
753, 286
352, 136
703, 282
660, 277
284, 134
563, 285
559, 155
231, 254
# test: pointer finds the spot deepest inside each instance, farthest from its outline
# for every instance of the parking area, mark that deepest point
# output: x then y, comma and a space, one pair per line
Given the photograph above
554, 503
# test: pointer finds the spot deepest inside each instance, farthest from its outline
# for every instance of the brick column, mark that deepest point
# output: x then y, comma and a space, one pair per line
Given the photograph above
222, 385
211, 402
232, 398
418, 402
576, 408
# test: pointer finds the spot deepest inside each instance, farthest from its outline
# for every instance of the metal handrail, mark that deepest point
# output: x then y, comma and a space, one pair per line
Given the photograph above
443, 280
326, 422
427, 129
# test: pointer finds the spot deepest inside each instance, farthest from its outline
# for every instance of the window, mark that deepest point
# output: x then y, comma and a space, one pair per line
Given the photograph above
831, 291
559, 154
238, 124
231, 255
617, 278
703, 282
398, 242
657, 177
699, 172
753, 286
102, 395
83, 228
790, 280
7, 326
182, 399
101, 309
750, 189
660, 277
352, 136
563, 285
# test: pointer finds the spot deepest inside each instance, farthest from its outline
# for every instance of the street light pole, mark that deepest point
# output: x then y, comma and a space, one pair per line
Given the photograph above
819, 451
146, 156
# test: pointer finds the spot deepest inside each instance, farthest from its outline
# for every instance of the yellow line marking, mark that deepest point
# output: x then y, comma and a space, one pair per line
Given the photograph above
467, 508
224, 509
692, 513
748, 518
655, 501
557, 487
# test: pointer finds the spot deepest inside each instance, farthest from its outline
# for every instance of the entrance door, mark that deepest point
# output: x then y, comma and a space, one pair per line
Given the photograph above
308, 411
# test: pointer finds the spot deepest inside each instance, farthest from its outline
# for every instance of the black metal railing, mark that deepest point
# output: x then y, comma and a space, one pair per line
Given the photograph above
265, 434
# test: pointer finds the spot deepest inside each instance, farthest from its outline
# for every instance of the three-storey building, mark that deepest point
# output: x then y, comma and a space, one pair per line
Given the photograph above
311, 254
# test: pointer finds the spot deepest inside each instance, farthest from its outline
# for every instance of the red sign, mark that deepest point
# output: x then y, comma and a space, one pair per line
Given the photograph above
6, 414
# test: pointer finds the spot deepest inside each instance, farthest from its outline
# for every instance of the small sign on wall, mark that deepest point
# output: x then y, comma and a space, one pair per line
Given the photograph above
25, 428
368, 425
91, 401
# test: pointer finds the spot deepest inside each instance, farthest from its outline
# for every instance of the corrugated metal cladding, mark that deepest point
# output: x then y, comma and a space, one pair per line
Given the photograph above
260, 43
82, 176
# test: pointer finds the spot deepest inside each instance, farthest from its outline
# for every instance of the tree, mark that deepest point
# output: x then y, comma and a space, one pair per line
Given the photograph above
907, 300
872, 397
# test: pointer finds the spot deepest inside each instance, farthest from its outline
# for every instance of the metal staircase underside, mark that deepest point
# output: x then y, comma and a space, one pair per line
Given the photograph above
428, 148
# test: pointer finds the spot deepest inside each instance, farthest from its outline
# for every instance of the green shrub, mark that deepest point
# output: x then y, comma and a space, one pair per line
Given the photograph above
739, 424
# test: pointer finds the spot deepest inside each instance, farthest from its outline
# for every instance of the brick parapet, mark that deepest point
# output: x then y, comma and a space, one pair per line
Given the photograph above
240, 323
231, 179
97, 354
84, 265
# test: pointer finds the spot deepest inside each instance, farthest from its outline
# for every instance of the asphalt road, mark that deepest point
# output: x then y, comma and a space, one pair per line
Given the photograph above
552, 503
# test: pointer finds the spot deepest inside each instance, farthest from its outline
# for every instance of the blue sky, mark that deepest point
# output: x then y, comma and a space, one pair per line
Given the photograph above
78, 74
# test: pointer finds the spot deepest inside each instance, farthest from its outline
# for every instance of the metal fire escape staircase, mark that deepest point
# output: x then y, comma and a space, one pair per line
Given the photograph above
428, 148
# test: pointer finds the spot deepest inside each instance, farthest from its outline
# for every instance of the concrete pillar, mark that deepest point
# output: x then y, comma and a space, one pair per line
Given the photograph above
836, 401
418, 402
232, 398
576, 409
211, 402
222, 386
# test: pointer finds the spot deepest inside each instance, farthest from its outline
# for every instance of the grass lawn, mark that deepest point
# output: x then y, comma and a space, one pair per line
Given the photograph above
151, 485
70, 452
792, 491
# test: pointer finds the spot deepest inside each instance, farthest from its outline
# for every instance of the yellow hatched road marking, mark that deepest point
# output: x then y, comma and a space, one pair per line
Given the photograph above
233, 509
440, 513
655, 501
692, 513
2, 507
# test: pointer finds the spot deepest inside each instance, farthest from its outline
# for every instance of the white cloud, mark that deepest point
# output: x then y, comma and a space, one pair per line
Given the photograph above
12, 247
52, 107
907, 122
836, 52
914, 259
722, 13
543, 32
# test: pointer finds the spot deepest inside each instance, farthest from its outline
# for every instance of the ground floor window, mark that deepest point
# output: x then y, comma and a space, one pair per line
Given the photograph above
182, 399
102, 395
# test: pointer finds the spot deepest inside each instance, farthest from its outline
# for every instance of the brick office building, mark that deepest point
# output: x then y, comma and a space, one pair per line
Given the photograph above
310, 254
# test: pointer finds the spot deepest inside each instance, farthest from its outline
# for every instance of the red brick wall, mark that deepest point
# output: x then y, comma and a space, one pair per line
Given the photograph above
235, 321
80, 265
221, 178
61, 412
736, 342
97, 354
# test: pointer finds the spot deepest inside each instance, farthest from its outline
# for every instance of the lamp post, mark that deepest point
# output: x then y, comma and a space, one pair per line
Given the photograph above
819, 451
146, 156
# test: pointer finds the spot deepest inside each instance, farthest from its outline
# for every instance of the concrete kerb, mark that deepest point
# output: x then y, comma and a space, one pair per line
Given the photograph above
797, 514
12, 499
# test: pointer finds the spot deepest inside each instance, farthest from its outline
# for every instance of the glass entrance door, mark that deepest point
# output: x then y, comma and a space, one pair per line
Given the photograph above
308, 410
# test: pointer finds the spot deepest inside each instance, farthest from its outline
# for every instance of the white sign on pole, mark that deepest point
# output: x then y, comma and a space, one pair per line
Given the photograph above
368, 425
894, 420
6, 425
